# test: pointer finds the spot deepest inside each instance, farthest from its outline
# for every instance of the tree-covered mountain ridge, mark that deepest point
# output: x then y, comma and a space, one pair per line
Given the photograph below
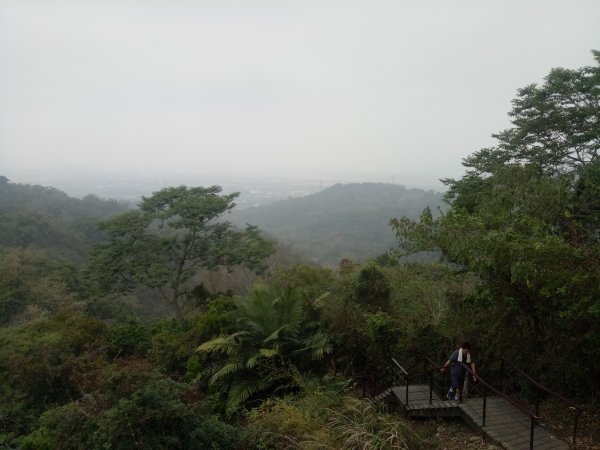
49, 219
342, 221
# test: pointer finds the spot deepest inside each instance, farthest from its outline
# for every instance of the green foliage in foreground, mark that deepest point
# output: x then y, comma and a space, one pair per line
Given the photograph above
71, 381
161, 413
330, 417
47, 362
272, 342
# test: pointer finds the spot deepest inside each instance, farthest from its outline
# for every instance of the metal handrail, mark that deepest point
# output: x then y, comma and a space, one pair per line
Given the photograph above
569, 403
432, 362
486, 386
490, 387
399, 366
532, 416
405, 377
537, 384
501, 394
436, 367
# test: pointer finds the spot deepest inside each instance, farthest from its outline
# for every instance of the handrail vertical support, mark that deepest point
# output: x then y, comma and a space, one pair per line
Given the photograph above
406, 378
484, 406
575, 428
531, 433
430, 387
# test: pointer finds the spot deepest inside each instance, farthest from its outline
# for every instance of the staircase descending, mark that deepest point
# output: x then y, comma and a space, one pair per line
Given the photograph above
491, 412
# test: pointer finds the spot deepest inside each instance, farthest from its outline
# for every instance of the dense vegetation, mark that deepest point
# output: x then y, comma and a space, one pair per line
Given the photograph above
344, 221
48, 219
280, 363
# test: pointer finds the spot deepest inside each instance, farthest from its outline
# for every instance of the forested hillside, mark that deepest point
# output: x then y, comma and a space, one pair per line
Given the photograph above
48, 219
345, 221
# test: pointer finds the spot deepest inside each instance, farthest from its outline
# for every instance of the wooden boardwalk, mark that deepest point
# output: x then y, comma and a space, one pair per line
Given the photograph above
505, 425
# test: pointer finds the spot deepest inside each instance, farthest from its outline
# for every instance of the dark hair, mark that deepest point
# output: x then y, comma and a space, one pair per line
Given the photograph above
465, 345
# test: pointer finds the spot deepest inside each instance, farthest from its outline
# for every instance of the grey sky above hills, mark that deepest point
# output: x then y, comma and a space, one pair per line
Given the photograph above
347, 91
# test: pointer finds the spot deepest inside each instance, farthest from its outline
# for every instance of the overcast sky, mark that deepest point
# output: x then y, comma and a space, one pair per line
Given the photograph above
349, 89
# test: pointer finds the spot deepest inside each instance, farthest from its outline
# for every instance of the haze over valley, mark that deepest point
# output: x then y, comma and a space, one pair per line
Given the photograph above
255, 190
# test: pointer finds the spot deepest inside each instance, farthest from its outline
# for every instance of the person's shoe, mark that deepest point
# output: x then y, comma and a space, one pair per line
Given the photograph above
450, 394
457, 397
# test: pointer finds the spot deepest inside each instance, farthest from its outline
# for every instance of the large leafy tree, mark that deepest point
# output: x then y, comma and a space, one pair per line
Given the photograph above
555, 128
525, 218
163, 245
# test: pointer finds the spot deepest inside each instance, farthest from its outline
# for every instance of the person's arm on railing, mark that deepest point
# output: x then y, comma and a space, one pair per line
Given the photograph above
445, 366
474, 371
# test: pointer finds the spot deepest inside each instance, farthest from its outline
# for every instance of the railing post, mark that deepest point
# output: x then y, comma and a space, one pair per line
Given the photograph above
430, 386
484, 405
531, 433
541, 388
406, 378
575, 428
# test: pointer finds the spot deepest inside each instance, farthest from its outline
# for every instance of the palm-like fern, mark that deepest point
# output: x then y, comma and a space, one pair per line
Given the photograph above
272, 344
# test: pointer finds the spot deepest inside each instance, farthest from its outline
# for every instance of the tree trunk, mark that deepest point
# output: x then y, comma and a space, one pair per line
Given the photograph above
177, 310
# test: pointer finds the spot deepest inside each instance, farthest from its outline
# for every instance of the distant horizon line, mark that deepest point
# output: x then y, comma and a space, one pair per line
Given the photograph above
38, 176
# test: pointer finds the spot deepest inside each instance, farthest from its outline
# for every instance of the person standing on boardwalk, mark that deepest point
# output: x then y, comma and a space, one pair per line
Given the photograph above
457, 362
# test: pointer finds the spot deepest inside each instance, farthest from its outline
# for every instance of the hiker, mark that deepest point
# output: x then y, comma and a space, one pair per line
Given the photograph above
458, 370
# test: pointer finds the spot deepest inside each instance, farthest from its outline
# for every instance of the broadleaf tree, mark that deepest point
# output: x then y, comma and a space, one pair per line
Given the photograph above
525, 218
175, 232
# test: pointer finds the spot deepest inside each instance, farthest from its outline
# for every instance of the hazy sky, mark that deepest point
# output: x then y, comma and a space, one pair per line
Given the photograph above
353, 89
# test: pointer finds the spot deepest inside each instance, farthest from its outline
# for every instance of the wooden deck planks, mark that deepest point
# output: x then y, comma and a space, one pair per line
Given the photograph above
504, 424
